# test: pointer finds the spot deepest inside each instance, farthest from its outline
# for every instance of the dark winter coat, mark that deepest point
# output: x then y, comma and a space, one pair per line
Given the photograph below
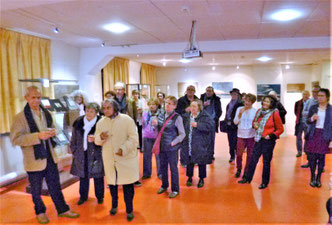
76, 146
233, 126
217, 108
282, 112
201, 138
183, 103
327, 133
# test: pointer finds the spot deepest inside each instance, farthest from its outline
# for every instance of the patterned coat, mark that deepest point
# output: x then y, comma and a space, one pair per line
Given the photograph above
201, 137
76, 146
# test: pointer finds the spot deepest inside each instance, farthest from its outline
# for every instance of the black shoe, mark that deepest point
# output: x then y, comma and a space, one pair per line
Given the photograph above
146, 177
159, 176
138, 184
313, 183
231, 160
100, 201
305, 165
200, 183
130, 216
243, 181
189, 182
238, 173
262, 186
318, 184
299, 154
113, 211
81, 201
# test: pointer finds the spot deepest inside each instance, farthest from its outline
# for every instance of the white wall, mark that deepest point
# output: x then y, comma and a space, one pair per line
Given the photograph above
246, 79
65, 61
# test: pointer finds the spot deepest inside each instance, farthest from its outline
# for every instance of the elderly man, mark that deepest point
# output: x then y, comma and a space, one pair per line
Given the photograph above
183, 106
300, 123
312, 101
280, 107
117, 133
33, 130
127, 105
212, 106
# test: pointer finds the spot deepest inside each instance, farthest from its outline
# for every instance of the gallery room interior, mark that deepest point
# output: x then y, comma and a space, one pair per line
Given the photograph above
87, 46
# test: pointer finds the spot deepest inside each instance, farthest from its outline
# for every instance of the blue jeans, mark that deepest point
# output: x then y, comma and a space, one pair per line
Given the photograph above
169, 158
147, 157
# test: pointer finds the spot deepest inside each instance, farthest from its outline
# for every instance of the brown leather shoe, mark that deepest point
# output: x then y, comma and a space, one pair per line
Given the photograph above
42, 218
69, 214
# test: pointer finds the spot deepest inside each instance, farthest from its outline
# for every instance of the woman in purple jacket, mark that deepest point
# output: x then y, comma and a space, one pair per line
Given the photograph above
150, 132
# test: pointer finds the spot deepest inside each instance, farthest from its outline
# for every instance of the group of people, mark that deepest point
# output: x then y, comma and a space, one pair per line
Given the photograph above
105, 141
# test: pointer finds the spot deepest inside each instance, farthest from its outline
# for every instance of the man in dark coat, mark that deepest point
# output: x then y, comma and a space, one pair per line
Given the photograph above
212, 106
229, 118
183, 107
300, 123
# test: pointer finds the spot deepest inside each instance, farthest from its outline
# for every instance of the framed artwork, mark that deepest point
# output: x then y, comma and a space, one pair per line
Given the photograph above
61, 90
222, 89
314, 83
295, 88
144, 89
182, 87
264, 89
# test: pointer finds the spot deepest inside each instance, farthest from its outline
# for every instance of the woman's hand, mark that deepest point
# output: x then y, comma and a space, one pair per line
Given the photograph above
314, 117
91, 138
119, 153
193, 124
256, 125
267, 137
104, 135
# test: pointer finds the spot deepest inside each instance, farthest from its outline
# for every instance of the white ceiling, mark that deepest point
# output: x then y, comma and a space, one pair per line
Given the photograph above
165, 21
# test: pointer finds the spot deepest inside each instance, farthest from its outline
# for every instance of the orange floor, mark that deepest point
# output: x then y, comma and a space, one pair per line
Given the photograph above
288, 200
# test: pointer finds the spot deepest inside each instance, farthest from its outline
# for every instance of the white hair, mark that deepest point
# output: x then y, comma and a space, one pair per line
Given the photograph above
80, 93
273, 93
120, 84
30, 88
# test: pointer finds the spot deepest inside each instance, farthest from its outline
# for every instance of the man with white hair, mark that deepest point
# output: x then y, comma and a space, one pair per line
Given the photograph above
127, 105
33, 130
300, 124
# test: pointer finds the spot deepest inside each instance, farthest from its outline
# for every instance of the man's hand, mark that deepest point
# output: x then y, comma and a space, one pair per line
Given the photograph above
193, 124
119, 153
267, 137
206, 103
91, 138
188, 109
104, 135
44, 135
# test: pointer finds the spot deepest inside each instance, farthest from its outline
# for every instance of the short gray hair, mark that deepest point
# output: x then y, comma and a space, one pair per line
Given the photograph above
93, 105
30, 88
120, 84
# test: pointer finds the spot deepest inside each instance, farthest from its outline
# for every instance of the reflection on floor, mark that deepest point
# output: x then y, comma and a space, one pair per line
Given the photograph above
288, 199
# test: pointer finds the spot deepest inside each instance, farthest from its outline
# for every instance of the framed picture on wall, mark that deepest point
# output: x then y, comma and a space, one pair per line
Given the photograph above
144, 89
295, 88
264, 89
222, 89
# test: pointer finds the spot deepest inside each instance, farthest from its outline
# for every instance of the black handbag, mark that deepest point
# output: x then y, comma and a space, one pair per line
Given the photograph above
223, 126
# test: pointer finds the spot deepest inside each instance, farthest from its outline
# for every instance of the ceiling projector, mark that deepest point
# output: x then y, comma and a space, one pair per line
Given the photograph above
192, 50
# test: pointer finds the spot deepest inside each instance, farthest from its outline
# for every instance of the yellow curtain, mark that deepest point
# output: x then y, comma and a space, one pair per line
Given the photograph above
148, 76
21, 57
116, 70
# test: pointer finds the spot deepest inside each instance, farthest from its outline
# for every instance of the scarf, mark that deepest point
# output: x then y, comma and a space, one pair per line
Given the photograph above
266, 115
87, 128
39, 149
156, 145
122, 103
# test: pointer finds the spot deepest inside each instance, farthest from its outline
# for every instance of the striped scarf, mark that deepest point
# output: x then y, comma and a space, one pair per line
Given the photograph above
266, 115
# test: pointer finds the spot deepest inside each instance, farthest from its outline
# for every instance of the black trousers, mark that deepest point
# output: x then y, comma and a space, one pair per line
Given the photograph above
263, 147
201, 170
128, 192
85, 183
232, 141
314, 160
139, 129
51, 174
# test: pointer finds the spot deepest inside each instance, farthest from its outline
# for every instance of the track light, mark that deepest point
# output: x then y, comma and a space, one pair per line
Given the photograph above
102, 44
56, 30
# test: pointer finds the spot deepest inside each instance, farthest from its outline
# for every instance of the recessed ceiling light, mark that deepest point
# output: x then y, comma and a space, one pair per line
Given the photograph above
237, 67
137, 55
286, 15
287, 67
184, 60
116, 27
264, 59
213, 68
56, 30
102, 44
164, 63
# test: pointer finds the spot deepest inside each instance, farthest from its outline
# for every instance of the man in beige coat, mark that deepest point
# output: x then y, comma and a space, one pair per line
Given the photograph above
33, 130
117, 133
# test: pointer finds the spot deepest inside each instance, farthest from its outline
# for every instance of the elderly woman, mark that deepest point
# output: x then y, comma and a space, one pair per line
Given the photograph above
117, 134
80, 99
87, 160
150, 133
319, 135
268, 127
199, 126
161, 98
